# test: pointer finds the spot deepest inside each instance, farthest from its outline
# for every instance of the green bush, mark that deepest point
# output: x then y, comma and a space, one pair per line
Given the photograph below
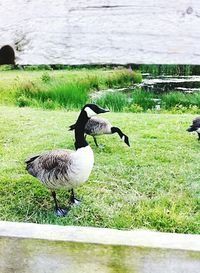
37, 67
143, 99
6, 67
137, 77
123, 78
134, 108
50, 104
169, 69
180, 109
23, 101
113, 101
93, 82
72, 94
45, 77
173, 99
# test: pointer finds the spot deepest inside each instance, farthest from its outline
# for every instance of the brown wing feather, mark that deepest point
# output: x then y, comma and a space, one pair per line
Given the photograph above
47, 162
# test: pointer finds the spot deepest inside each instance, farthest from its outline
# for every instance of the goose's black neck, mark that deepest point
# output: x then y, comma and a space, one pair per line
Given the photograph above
80, 141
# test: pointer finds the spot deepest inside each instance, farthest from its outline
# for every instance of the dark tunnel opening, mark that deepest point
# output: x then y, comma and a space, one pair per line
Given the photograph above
7, 55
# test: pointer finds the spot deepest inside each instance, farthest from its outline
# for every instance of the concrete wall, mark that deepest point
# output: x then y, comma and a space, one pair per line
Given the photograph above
101, 31
57, 249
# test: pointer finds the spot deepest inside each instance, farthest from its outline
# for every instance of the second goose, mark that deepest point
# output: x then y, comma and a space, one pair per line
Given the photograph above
99, 126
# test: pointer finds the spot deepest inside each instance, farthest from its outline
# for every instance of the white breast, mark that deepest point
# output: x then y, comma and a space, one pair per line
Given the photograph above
82, 164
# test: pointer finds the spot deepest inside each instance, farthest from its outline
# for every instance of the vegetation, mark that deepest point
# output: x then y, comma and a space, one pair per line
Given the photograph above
70, 95
178, 70
154, 184
114, 101
155, 70
71, 89
145, 101
60, 89
178, 98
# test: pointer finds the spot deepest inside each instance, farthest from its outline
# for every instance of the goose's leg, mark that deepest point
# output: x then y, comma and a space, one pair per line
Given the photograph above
73, 199
95, 141
199, 136
58, 211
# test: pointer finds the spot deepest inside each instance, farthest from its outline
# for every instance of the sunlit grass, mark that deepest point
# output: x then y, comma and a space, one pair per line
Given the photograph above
154, 184
60, 89
114, 101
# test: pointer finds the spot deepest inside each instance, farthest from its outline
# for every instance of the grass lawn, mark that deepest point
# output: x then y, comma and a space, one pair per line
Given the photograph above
10, 77
153, 185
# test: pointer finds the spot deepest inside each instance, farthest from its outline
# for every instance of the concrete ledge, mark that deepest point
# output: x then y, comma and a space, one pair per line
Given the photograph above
104, 236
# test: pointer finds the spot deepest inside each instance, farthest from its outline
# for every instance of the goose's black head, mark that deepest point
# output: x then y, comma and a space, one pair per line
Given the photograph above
93, 110
195, 125
126, 140
88, 111
191, 129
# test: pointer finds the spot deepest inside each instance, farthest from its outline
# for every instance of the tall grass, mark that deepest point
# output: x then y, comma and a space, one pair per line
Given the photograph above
72, 94
174, 102
178, 98
143, 99
156, 70
113, 101
122, 78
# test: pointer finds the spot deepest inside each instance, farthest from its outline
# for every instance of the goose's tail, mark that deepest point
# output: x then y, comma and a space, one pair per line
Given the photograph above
72, 127
30, 165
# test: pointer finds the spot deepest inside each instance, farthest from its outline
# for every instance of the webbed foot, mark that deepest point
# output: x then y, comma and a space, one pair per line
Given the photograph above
61, 212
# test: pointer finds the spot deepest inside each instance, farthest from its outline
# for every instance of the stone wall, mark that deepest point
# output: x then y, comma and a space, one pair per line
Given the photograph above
105, 31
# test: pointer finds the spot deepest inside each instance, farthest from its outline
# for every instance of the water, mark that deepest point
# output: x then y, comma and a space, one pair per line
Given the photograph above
189, 84
159, 85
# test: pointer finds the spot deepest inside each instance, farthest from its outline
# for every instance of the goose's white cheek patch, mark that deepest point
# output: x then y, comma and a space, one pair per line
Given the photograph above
198, 130
90, 113
123, 138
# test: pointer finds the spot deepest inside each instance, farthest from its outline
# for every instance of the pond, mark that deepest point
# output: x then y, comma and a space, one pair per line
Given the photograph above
156, 86
189, 84
161, 84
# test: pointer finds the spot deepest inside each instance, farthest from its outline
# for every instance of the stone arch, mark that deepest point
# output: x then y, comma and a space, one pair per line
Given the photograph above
7, 55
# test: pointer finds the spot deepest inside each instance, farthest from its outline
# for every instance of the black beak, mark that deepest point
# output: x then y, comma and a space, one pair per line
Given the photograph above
190, 129
127, 141
101, 110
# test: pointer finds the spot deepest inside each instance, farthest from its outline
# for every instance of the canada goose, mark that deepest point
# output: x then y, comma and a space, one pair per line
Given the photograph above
66, 168
195, 127
99, 126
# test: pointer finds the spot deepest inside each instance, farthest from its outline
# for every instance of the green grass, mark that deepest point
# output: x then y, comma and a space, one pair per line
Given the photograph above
169, 69
60, 89
154, 184
114, 101
70, 95
176, 98
143, 101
